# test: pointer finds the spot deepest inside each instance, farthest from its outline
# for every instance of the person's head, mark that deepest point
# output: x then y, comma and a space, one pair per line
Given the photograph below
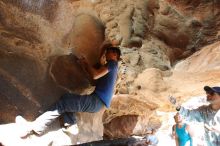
212, 93
113, 53
178, 118
153, 131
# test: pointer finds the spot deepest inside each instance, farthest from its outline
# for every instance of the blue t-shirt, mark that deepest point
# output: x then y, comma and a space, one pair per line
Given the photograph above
105, 85
183, 135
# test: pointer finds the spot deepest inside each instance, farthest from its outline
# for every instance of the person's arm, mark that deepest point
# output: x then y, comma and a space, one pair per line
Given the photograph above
216, 129
175, 136
147, 139
106, 44
192, 135
192, 115
176, 140
212, 128
173, 132
93, 72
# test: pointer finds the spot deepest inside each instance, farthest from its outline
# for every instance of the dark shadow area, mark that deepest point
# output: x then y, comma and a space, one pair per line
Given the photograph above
114, 142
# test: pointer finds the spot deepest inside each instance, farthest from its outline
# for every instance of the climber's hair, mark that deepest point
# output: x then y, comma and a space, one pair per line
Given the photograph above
116, 50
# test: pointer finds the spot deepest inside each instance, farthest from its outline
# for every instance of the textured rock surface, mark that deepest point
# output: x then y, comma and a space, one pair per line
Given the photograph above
152, 88
35, 69
169, 47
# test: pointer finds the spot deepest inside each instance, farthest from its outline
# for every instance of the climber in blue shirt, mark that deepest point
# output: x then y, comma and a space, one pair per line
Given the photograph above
69, 103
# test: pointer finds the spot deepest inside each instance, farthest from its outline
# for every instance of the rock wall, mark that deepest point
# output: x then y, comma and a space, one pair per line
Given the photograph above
37, 38
35, 65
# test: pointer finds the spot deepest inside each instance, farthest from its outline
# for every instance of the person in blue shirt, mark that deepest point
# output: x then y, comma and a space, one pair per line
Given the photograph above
183, 132
151, 138
69, 103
